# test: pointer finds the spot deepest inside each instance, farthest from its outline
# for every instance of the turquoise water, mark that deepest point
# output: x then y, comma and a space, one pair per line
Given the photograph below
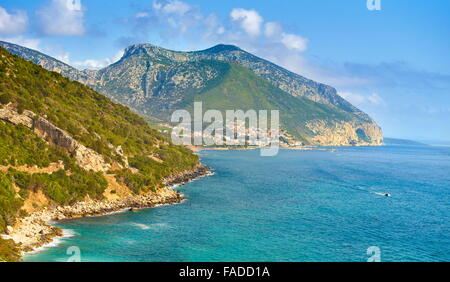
298, 206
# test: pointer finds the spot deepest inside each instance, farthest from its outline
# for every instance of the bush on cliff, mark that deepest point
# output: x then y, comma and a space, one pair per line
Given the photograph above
151, 172
5, 98
9, 203
20, 146
63, 189
9, 252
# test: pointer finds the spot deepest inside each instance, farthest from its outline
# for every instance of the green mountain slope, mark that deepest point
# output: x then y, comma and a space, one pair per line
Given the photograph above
292, 83
238, 88
45, 61
61, 138
154, 81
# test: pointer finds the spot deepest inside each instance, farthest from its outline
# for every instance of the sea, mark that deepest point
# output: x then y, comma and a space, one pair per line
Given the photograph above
351, 204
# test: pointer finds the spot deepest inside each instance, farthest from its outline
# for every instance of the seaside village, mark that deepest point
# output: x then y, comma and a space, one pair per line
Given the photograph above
244, 135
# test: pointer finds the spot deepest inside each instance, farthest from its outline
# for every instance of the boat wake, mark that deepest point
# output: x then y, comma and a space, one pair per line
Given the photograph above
149, 226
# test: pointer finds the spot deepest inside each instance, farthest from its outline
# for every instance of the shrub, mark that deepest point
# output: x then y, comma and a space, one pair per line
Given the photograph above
5, 98
9, 251
9, 204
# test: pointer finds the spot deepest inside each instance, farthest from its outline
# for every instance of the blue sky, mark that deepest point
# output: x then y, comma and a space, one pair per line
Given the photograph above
393, 63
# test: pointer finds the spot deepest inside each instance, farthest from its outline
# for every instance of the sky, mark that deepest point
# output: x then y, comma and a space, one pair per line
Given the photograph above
393, 62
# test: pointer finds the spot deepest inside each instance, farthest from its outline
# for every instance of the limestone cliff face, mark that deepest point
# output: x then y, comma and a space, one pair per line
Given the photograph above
86, 158
345, 134
9, 114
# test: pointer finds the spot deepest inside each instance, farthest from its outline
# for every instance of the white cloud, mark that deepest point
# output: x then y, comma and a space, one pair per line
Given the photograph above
12, 23
213, 26
142, 15
64, 57
375, 99
156, 5
250, 20
362, 100
31, 43
294, 42
272, 29
62, 17
176, 7
172, 7
174, 17
96, 64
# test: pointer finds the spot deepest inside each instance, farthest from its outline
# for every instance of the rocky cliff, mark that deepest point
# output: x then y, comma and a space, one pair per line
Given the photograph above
86, 158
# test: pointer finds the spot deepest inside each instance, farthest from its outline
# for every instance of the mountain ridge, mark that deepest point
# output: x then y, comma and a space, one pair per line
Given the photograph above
153, 80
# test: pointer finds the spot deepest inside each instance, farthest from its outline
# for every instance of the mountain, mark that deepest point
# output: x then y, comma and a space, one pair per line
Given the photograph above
155, 81
294, 84
62, 143
405, 142
47, 62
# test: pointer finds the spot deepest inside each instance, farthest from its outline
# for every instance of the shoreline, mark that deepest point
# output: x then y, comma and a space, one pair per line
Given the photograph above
36, 231
197, 149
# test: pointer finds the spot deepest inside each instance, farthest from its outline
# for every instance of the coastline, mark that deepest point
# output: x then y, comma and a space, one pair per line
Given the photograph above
36, 231
197, 149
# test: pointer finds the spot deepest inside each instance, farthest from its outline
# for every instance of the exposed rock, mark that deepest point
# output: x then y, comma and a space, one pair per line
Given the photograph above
9, 230
52, 167
119, 151
8, 113
54, 135
90, 160
85, 157
36, 230
345, 133
186, 176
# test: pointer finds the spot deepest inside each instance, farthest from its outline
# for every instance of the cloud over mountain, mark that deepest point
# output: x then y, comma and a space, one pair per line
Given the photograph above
12, 22
62, 17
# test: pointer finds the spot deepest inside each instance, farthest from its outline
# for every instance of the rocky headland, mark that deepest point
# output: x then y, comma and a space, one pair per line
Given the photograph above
36, 229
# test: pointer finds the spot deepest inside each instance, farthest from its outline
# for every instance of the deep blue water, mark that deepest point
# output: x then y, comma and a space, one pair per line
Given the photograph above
298, 206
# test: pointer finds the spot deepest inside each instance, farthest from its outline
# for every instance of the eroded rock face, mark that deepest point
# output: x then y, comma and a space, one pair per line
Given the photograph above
90, 160
345, 134
8, 113
86, 158
54, 135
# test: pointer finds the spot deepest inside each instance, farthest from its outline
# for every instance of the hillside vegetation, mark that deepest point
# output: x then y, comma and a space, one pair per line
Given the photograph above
92, 120
239, 88
154, 81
